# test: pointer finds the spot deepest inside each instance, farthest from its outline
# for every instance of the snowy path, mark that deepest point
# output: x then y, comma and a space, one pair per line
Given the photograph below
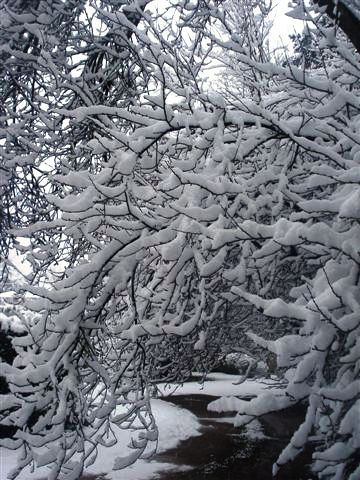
226, 453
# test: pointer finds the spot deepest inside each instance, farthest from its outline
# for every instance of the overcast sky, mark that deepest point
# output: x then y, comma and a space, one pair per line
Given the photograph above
283, 25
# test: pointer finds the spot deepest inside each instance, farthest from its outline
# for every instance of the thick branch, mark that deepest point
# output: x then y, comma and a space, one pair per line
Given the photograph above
344, 17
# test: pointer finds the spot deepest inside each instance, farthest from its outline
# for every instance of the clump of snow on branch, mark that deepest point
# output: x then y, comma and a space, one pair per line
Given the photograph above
169, 211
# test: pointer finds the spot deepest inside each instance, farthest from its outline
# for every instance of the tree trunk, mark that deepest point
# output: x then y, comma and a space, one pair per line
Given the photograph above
344, 17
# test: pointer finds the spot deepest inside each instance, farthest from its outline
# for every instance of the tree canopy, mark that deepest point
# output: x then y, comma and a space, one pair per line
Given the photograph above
157, 203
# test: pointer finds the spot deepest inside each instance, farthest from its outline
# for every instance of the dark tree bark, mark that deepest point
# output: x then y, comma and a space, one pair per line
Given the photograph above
344, 17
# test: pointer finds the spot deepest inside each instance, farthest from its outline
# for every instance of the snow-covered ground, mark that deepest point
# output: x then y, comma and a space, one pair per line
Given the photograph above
220, 384
175, 425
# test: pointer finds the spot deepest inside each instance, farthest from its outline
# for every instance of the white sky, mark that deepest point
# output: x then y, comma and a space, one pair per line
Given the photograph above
283, 25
